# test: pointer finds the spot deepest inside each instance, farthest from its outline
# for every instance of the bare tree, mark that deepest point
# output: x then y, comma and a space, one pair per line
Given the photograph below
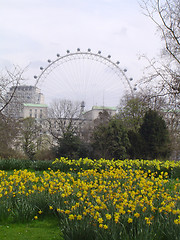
9, 130
31, 137
164, 74
63, 116
165, 14
9, 79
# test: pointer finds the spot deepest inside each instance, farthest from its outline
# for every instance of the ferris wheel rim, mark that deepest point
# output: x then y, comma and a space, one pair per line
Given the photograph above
83, 53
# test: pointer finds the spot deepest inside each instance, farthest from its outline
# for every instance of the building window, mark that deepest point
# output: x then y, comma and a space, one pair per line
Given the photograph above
40, 113
30, 113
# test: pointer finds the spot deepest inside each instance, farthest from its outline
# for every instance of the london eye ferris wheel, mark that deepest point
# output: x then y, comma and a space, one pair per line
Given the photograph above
84, 76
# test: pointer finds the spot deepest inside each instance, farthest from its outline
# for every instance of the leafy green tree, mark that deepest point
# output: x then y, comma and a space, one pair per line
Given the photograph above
131, 112
155, 136
110, 140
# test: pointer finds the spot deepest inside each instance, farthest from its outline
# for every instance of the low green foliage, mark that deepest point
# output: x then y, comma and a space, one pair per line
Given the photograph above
11, 164
46, 229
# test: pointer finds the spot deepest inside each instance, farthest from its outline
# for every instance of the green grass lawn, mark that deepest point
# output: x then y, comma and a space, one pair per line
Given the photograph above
46, 229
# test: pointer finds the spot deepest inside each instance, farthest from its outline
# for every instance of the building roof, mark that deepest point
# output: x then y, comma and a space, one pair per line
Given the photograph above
24, 87
34, 105
104, 107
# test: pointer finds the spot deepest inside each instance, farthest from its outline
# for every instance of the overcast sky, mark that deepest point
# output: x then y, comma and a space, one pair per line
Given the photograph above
32, 31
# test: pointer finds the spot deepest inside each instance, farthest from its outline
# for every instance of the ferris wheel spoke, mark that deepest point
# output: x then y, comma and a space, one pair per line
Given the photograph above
84, 76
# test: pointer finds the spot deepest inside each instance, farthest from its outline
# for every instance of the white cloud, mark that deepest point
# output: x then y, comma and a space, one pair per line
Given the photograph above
34, 30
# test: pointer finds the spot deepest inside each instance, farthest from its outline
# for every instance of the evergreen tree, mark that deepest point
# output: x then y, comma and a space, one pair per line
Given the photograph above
155, 136
135, 149
71, 146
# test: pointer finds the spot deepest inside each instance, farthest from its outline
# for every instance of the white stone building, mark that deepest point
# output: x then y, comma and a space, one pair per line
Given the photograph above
28, 101
37, 111
93, 114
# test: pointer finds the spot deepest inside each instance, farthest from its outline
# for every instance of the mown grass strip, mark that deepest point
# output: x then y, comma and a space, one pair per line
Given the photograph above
46, 229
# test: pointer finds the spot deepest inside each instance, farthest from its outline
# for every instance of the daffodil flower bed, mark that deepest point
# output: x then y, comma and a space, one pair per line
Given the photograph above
110, 203
66, 164
117, 163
